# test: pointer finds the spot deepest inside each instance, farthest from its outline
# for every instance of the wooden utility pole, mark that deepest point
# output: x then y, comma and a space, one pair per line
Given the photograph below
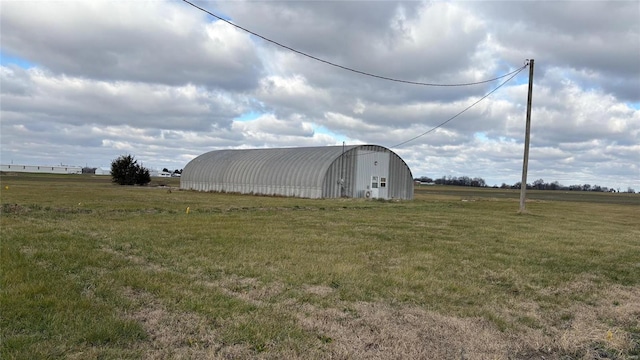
525, 162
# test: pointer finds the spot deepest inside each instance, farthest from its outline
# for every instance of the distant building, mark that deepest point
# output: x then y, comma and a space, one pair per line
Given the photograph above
418, 182
358, 171
61, 169
103, 170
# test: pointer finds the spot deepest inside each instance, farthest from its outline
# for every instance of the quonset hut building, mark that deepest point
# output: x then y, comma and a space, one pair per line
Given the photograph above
357, 171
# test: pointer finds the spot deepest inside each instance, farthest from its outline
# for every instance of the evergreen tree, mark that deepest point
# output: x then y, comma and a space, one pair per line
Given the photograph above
125, 170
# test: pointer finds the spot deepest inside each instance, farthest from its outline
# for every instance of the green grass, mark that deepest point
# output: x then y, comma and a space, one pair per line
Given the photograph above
95, 270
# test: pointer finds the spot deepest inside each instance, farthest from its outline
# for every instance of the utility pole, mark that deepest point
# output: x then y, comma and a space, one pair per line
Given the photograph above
525, 162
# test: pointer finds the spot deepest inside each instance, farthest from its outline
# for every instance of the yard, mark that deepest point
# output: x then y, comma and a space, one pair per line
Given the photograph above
94, 270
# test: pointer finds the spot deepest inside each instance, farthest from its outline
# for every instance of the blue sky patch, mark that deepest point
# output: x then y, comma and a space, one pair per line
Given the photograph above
634, 105
250, 116
323, 130
481, 136
8, 59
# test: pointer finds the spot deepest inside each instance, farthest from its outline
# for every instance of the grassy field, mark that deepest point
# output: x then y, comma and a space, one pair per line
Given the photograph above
92, 270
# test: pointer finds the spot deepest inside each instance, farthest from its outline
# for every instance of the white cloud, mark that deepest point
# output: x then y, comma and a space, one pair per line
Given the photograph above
165, 82
154, 42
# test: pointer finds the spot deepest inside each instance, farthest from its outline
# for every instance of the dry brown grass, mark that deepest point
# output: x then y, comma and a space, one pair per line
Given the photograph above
380, 331
365, 330
593, 324
171, 334
97, 271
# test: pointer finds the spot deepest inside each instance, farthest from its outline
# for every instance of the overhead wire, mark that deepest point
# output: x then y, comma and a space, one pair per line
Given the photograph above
342, 66
510, 75
516, 72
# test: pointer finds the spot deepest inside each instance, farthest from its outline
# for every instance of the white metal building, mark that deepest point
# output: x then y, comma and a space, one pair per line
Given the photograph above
357, 171
103, 170
60, 169
156, 173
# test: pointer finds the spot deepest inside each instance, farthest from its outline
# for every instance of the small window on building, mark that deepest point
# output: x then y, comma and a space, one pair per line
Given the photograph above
374, 182
383, 182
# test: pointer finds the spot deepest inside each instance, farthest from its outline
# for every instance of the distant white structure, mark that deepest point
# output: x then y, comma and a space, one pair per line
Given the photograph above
103, 170
424, 183
158, 173
61, 169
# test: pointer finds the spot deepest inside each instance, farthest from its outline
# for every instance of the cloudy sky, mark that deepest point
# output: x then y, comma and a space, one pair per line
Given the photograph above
83, 82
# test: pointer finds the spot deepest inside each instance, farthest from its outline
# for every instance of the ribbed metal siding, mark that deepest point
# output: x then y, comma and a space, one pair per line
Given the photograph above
400, 183
302, 172
290, 172
341, 168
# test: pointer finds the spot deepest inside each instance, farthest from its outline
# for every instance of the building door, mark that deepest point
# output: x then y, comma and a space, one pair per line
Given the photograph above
382, 185
375, 183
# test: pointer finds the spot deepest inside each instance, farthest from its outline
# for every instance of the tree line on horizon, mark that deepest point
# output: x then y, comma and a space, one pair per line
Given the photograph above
539, 184
125, 170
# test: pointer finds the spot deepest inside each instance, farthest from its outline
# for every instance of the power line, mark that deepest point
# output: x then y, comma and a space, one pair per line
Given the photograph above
516, 72
510, 75
345, 67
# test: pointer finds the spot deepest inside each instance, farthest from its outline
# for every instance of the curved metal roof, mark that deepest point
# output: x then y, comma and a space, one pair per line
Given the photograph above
281, 171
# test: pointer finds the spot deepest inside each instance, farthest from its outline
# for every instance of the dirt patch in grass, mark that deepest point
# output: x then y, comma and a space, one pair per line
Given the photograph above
597, 327
177, 334
607, 329
249, 290
134, 259
605, 326
319, 290
379, 331
14, 209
